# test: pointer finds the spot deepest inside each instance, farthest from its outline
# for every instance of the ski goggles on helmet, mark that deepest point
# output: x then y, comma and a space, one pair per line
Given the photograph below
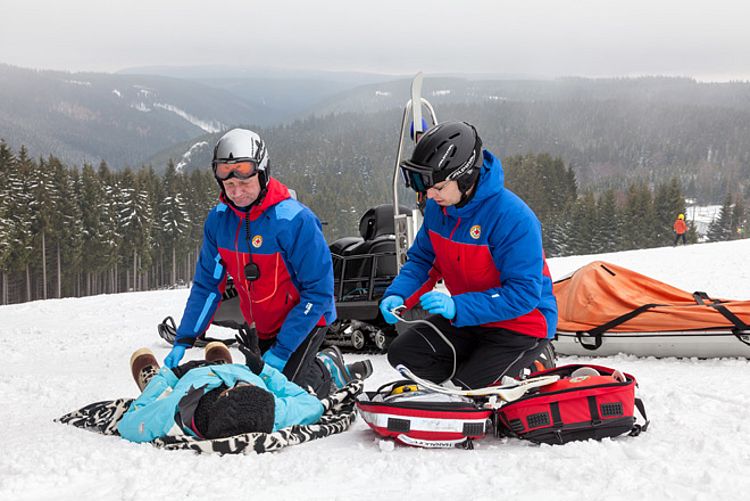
421, 178
240, 154
417, 177
241, 169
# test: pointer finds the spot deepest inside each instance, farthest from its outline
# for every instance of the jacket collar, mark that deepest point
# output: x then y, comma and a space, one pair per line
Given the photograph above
491, 179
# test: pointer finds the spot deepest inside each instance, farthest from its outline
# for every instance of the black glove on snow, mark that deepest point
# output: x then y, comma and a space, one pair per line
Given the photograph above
247, 342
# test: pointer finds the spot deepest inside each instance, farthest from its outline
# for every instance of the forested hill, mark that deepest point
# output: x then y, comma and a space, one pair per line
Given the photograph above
346, 159
123, 119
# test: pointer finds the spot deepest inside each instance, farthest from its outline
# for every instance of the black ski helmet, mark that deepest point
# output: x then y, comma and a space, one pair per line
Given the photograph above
448, 151
242, 145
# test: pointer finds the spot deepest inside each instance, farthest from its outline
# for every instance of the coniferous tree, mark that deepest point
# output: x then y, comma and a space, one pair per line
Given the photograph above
135, 223
557, 233
46, 199
203, 195
583, 225
668, 203
607, 232
639, 221
738, 217
7, 163
22, 215
68, 234
94, 201
721, 228
174, 219
151, 185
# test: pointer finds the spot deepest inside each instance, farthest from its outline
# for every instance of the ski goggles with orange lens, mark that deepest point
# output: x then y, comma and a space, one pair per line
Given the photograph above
244, 169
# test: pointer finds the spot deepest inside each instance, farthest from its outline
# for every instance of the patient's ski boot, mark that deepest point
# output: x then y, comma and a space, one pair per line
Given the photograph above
143, 366
217, 352
342, 373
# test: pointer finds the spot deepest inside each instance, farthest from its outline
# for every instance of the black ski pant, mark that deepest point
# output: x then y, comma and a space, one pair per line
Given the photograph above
303, 367
677, 237
483, 355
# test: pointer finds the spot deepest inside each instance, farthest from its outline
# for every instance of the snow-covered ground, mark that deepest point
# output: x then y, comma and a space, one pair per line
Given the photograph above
61, 354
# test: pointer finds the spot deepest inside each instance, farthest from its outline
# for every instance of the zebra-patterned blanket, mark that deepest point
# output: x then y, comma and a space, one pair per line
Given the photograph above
339, 413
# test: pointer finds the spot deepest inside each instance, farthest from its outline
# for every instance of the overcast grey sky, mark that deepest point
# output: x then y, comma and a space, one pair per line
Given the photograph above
707, 39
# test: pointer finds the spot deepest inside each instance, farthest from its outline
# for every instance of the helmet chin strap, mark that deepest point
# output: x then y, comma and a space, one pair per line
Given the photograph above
465, 185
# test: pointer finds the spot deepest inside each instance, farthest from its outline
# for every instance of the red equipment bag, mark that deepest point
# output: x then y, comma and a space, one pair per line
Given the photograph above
575, 408
423, 419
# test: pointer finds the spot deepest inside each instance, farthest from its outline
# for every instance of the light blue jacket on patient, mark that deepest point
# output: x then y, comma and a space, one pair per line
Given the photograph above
152, 415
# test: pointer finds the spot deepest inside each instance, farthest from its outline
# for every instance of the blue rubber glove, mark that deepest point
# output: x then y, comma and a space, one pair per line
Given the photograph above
387, 304
439, 303
274, 361
174, 356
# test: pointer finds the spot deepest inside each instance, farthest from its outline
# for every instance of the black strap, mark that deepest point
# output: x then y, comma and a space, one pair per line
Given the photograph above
638, 428
554, 408
701, 297
594, 411
597, 332
740, 327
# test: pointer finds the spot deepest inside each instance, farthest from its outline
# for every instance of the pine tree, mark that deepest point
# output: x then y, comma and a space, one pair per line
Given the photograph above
22, 216
99, 232
583, 225
738, 218
607, 233
46, 201
134, 215
68, 234
174, 219
7, 160
668, 202
7, 163
639, 222
720, 228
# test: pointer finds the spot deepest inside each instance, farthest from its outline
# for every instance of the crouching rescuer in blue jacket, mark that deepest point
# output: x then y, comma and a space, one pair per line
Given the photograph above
274, 249
486, 245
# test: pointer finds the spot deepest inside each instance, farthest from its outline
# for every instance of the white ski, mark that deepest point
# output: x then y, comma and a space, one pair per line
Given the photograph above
506, 393
416, 105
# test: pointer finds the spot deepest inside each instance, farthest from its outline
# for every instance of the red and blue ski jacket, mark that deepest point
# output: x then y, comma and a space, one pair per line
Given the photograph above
489, 253
294, 292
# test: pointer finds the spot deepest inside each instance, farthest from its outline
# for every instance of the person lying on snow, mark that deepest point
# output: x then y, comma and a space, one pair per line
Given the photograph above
215, 398
486, 244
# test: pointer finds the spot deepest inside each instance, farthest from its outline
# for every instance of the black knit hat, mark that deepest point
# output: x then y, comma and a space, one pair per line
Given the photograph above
244, 408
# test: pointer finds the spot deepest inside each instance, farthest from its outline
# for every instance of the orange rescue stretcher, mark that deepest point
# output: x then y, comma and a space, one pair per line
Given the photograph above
605, 309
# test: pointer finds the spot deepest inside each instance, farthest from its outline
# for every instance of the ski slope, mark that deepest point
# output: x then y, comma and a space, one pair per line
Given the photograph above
61, 354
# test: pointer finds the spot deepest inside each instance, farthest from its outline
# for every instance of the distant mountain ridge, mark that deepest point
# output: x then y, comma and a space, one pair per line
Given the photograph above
607, 129
123, 119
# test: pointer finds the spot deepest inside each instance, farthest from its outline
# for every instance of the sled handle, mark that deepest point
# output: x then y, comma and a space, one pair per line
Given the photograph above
597, 340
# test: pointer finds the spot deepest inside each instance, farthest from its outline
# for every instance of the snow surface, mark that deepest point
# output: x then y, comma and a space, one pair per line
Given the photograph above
208, 126
78, 82
188, 155
62, 354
